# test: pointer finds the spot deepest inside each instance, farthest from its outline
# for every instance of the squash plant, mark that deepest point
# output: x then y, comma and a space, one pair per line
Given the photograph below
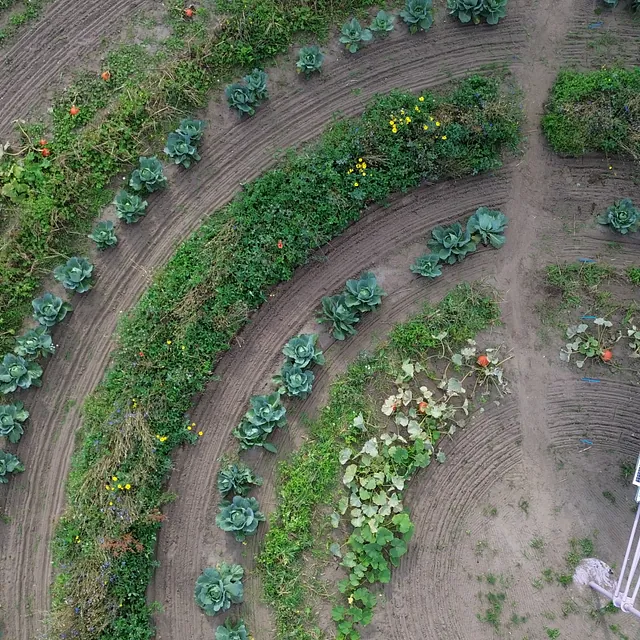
590, 342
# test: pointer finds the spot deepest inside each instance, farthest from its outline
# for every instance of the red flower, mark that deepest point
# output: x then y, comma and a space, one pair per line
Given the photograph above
141, 354
280, 244
45, 152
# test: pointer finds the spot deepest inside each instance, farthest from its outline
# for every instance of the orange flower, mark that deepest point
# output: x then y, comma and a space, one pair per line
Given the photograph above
106, 75
74, 111
188, 12
280, 244
45, 152
42, 142
422, 406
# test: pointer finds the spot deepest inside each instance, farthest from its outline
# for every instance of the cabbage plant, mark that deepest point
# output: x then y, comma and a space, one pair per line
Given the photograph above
241, 98
241, 517
104, 234
310, 60
353, 34
192, 128
232, 631
12, 417
302, 350
149, 176
181, 150
622, 216
487, 226
342, 317
16, 372
217, 589
418, 14
494, 11
35, 343
383, 23
237, 478
466, 10
257, 83
427, 266
364, 294
265, 415
48, 309
9, 464
75, 274
130, 207
451, 243
635, 5
294, 381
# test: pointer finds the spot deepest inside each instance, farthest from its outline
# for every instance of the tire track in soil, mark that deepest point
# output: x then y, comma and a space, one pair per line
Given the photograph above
43, 55
244, 149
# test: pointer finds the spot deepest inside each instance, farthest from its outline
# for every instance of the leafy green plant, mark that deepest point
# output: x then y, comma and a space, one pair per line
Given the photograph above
257, 83
611, 3
466, 10
451, 244
585, 343
104, 234
9, 464
342, 317
16, 372
294, 381
49, 309
427, 266
302, 350
364, 294
353, 34
383, 23
191, 128
310, 60
241, 517
148, 177
241, 98
217, 589
635, 5
633, 334
418, 14
129, 207
34, 343
180, 149
12, 417
265, 415
494, 11
232, 631
622, 217
237, 478
75, 274
487, 226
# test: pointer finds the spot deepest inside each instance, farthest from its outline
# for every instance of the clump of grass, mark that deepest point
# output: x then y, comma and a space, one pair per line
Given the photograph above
633, 273
573, 281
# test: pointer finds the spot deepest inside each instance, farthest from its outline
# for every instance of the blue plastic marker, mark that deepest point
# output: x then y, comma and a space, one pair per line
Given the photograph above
585, 260
588, 318
595, 25
585, 441
590, 380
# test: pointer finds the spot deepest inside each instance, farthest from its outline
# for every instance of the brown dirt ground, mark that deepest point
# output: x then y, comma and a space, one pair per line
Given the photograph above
514, 451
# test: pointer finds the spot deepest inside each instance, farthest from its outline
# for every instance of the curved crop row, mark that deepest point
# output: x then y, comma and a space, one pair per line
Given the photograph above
168, 346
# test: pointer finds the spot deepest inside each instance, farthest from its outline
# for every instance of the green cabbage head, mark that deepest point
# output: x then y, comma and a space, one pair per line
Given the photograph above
427, 266
217, 589
232, 631
418, 14
302, 350
35, 343
364, 294
130, 207
48, 309
18, 373
466, 10
181, 150
352, 34
241, 98
148, 177
294, 381
621, 216
310, 60
12, 417
451, 244
383, 23
75, 275
192, 128
342, 317
256, 81
488, 227
237, 478
9, 464
241, 517
494, 10
104, 234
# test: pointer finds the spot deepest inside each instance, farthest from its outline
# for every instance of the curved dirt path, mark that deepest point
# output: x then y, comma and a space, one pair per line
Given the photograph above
233, 152
41, 58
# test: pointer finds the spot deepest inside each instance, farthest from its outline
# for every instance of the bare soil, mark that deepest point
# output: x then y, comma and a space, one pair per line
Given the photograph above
527, 449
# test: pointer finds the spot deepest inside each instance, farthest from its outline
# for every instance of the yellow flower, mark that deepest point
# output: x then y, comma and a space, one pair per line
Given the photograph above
193, 424
437, 124
444, 137
183, 347
431, 118
364, 173
168, 341
350, 599
200, 433
402, 111
610, 167
359, 159
407, 119
355, 184
111, 504
425, 127
107, 487
394, 130
364, 165
114, 478
188, 428
119, 486
416, 109
391, 122
421, 98
127, 486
